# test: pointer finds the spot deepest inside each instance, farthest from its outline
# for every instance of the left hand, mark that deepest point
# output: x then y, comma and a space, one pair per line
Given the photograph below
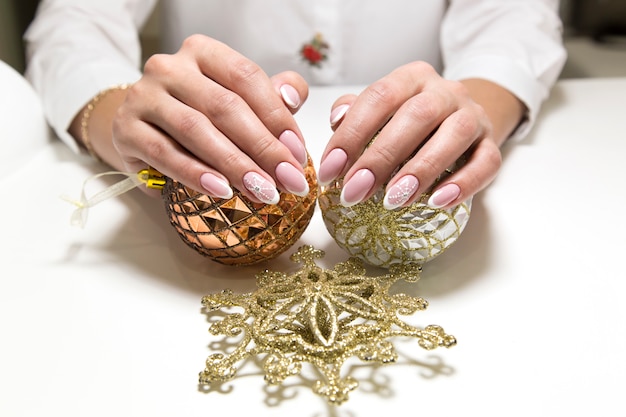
408, 106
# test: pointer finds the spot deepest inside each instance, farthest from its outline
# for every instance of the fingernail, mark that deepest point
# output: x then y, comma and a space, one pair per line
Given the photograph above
444, 196
337, 114
290, 96
332, 165
292, 179
215, 186
401, 192
295, 146
261, 188
357, 187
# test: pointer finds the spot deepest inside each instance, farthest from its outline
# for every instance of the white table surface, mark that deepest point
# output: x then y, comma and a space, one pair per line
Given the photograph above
107, 321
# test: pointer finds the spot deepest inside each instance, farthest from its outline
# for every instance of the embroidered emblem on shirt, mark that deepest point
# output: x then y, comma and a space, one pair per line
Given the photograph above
314, 51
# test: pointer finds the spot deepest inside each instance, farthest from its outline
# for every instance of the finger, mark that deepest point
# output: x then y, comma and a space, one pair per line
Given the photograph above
222, 110
452, 139
221, 153
403, 134
292, 89
368, 114
243, 77
457, 137
475, 175
179, 164
339, 109
177, 156
385, 96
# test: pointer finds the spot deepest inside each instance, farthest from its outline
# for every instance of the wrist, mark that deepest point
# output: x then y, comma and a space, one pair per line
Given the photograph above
503, 108
95, 119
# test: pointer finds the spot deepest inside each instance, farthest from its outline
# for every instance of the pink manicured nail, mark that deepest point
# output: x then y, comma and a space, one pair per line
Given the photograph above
262, 189
295, 146
444, 196
331, 166
357, 187
215, 186
401, 192
292, 179
337, 114
290, 96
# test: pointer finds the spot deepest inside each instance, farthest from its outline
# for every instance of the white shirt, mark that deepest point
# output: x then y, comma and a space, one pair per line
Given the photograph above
77, 48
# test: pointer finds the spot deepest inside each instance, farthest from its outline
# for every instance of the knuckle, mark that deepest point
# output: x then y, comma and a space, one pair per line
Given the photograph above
421, 67
265, 149
423, 111
430, 166
244, 70
231, 160
381, 93
155, 150
273, 115
194, 41
188, 123
493, 157
458, 89
159, 64
384, 157
225, 104
466, 124
353, 138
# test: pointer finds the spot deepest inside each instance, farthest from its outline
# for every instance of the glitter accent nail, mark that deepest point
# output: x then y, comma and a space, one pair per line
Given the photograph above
401, 192
261, 188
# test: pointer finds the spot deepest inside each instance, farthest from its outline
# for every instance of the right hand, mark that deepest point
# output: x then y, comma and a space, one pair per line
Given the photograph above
209, 118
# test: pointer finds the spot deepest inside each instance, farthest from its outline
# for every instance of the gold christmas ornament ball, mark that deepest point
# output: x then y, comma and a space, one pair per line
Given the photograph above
380, 237
237, 231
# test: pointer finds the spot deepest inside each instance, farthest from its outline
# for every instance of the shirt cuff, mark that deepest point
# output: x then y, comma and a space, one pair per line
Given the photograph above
76, 93
510, 75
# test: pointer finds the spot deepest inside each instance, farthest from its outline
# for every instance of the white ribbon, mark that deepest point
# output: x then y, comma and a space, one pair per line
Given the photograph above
79, 217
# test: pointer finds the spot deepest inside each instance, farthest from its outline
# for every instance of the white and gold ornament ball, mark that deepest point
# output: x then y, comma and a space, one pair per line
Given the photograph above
380, 237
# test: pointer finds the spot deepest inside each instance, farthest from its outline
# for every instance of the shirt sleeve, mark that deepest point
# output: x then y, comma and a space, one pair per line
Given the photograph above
514, 43
76, 48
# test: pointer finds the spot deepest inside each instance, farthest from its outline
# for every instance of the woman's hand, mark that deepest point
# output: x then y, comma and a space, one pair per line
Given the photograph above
210, 118
413, 106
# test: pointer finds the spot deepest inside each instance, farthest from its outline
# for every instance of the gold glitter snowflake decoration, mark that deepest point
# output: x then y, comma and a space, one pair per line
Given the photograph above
317, 316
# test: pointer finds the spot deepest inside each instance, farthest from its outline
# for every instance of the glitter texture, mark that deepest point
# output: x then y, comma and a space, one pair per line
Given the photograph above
381, 237
316, 316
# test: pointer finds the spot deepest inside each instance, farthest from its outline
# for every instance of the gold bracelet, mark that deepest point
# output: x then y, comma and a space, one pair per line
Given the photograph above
84, 121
